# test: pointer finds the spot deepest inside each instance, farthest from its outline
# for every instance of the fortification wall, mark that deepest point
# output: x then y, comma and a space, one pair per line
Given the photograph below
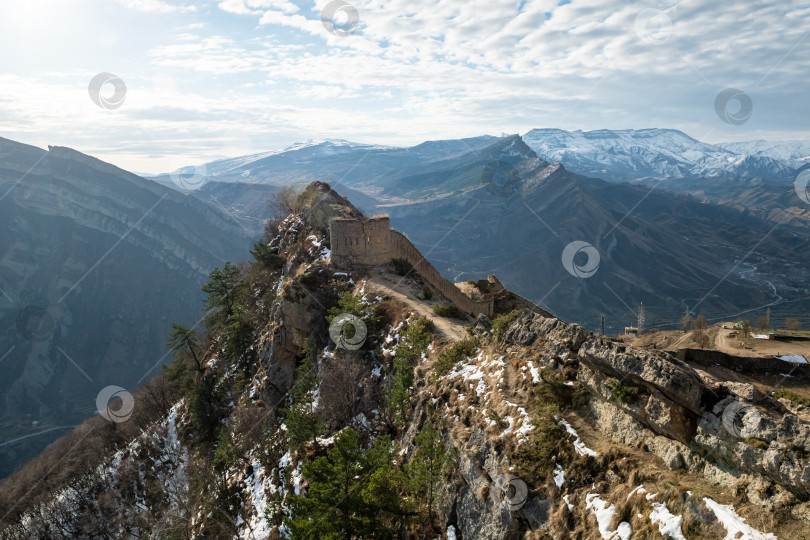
403, 248
369, 243
741, 364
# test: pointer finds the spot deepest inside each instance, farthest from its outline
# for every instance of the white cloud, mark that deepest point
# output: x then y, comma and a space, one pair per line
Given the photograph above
248, 7
424, 69
154, 6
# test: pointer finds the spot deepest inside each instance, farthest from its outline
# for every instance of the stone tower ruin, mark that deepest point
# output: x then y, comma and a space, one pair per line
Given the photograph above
371, 242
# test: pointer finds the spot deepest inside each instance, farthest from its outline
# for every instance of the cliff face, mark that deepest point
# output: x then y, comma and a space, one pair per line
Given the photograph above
540, 429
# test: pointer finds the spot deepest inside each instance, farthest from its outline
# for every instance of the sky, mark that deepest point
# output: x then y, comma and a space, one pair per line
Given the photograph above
216, 78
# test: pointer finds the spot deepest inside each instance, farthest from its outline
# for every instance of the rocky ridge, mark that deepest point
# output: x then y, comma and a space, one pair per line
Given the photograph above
556, 432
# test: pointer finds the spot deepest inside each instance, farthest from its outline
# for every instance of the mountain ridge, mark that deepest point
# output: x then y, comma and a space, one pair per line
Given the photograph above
536, 426
95, 259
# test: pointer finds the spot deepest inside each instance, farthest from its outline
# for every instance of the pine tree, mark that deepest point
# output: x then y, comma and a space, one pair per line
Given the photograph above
415, 341
267, 256
183, 339
303, 422
224, 288
333, 504
239, 337
385, 503
352, 493
430, 465
399, 398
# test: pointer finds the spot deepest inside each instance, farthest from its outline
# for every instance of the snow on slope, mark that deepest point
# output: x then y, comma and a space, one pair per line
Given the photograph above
795, 152
621, 155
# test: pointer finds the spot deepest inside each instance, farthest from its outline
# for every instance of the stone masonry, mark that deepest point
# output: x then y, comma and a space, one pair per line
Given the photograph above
371, 242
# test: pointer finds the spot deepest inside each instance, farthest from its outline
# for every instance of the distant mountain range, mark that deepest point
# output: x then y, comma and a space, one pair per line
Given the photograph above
511, 204
626, 155
95, 265
342, 161
612, 155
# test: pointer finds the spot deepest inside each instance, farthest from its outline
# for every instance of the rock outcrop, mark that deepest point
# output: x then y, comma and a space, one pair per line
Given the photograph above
686, 420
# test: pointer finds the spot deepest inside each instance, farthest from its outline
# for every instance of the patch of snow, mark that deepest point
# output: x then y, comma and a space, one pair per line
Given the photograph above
257, 485
579, 446
451, 532
362, 420
639, 489
734, 524
535, 372
604, 515
559, 476
668, 523
625, 531
570, 506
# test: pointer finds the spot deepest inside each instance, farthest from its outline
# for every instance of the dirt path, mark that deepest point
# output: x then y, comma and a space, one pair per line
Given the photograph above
405, 292
761, 347
680, 343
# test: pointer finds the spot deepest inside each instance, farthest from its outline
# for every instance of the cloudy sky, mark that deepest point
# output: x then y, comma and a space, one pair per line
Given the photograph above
213, 78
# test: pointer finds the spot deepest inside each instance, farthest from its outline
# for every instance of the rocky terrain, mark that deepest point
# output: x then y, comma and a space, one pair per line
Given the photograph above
282, 421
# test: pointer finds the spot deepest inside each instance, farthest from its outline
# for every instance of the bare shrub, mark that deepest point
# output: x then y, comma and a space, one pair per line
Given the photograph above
340, 384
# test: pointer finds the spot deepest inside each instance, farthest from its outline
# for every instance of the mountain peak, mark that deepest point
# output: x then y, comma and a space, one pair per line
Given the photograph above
631, 154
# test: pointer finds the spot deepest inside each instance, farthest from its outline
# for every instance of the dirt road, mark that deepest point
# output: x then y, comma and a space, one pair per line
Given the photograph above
404, 291
760, 347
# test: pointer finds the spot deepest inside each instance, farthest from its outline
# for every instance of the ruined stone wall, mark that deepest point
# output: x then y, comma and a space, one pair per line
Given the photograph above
370, 243
360, 243
406, 250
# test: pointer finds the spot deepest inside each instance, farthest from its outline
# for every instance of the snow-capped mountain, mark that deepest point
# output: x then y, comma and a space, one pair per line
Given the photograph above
622, 155
797, 153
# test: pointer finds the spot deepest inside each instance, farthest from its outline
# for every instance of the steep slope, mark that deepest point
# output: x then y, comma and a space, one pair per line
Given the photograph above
624, 155
499, 164
94, 262
528, 428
